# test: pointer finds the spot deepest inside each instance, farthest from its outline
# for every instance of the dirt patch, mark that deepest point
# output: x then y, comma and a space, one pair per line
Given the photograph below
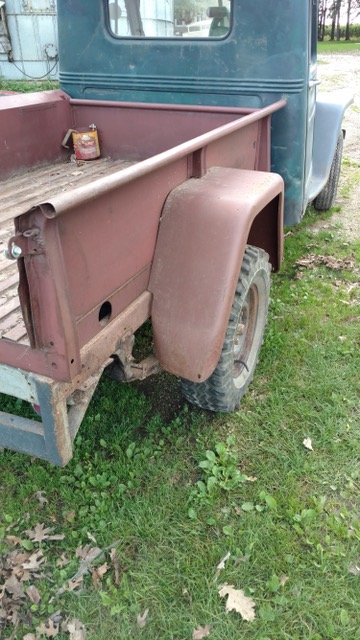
342, 71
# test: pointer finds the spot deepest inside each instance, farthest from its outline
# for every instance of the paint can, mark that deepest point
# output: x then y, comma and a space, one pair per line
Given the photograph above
85, 141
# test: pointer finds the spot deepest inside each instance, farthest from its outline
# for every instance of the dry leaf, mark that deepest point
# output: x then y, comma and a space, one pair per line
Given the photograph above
308, 444
30, 636
312, 260
91, 537
283, 580
354, 569
142, 620
15, 587
238, 601
50, 629
34, 562
87, 553
63, 560
201, 632
40, 496
221, 565
33, 594
115, 561
98, 573
39, 533
57, 536
252, 478
75, 584
14, 540
75, 628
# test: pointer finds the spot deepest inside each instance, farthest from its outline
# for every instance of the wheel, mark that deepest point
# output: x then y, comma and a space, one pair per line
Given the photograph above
326, 198
223, 390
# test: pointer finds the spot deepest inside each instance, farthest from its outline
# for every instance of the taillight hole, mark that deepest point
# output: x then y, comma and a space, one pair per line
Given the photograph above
105, 313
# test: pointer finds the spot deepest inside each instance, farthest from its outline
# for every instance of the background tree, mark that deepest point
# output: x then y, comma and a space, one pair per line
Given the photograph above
352, 11
323, 11
335, 19
187, 11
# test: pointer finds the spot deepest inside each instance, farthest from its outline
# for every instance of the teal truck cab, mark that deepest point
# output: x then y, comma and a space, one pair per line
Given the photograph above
211, 135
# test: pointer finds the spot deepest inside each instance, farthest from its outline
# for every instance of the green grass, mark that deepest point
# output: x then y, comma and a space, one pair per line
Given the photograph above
24, 86
140, 477
341, 46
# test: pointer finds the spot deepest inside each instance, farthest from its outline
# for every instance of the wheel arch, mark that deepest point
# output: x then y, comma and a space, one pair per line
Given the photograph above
330, 109
205, 226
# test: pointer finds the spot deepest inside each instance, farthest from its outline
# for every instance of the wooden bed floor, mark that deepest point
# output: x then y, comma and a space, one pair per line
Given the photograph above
18, 195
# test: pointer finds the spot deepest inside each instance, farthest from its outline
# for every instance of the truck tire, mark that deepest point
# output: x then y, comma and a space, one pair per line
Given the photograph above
326, 198
224, 389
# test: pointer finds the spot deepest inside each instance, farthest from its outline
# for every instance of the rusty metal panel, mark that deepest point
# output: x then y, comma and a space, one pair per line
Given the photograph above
204, 229
30, 127
87, 248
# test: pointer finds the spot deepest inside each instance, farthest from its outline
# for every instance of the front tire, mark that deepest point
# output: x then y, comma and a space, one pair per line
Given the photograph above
226, 386
326, 198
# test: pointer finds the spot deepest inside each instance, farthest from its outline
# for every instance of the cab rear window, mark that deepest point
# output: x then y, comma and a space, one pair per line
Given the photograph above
169, 18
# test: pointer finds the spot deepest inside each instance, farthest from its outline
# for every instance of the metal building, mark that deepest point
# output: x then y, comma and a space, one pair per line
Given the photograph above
28, 39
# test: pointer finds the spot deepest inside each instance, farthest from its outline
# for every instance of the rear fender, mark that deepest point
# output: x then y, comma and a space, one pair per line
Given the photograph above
330, 109
204, 228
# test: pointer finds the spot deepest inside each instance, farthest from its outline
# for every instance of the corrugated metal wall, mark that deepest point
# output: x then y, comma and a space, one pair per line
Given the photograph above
33, 35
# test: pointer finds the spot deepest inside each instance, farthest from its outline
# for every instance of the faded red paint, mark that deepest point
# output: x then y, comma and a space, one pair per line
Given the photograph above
98, 237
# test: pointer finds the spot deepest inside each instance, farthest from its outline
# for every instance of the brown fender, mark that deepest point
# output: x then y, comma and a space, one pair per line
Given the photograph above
204, 228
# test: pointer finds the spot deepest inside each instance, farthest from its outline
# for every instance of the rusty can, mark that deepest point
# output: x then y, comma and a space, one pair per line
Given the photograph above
85, 141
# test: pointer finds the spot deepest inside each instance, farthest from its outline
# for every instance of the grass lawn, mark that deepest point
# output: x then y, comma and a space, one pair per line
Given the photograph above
175, 489
341, 46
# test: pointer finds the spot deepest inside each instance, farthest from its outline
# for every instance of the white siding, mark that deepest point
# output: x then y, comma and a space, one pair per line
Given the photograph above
33, 32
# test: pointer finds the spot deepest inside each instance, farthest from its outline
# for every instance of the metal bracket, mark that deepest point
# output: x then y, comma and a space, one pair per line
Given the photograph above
23, 244
124, 368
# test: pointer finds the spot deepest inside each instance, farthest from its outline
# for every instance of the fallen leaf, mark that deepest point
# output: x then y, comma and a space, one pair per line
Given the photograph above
87, 553
34, 562
75, 628
201, 632
221, 565
91, 537
142, 619
98, 573
39, 533
50, 629
115, 561
30, 636
72, 585
15, 587
63, 561
14, 540
238, 601
40, 496
283, 580
312, 260
354, 569
308, 444
252, 478
57, 536
33, 594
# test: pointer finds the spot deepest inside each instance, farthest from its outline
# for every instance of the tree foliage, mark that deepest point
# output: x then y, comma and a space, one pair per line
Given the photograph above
190, 10
332, 10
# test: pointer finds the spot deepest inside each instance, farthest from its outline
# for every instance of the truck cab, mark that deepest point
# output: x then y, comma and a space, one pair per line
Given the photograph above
252, 54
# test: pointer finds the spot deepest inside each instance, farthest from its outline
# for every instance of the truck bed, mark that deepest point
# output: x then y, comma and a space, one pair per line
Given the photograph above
18, 195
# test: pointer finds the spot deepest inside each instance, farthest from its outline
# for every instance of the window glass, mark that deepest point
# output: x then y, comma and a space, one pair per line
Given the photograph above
170, 18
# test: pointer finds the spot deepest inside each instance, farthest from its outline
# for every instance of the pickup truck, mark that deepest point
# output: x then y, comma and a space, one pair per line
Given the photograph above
205, 141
